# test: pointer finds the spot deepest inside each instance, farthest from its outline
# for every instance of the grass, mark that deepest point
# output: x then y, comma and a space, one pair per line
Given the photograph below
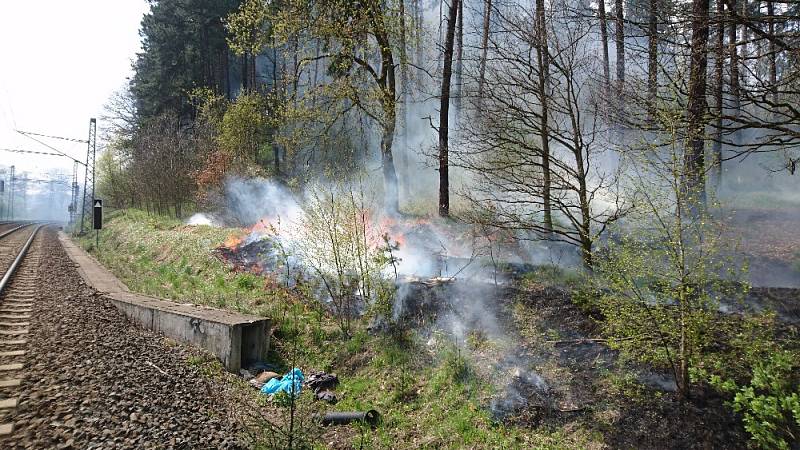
428, 397
163, 257
552, 275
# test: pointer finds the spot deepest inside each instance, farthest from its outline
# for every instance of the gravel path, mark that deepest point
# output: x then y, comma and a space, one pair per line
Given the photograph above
94, 380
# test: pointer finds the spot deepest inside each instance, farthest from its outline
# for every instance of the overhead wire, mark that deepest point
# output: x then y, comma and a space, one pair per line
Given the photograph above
20, 150
82, 141
51, 147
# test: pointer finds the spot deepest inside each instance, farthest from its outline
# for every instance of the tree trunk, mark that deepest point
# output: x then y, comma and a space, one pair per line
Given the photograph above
459, 60
226, 67
418, 23
245, 72
389, 174
745, 55
315, 77
652, 53
620, 41
543, 59
585, 227
485, 47
252, 77
439, 38
387, 82
601, 9
773, 57
734, 64
719, 83
694, 158
683, 353
444, 111
277, 90
404, 103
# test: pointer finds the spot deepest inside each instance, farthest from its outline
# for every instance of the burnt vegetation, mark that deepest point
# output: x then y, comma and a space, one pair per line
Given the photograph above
576, 220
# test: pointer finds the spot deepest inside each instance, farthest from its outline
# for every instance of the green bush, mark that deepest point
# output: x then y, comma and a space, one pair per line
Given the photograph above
770, 404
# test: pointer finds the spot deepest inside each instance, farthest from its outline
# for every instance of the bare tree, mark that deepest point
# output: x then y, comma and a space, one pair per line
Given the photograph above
444, 111
652, 51
160, 162
543, 59
762, 97
405, 97
601, 10
487, 14
503, 147
459, 60
734, 65
620, 42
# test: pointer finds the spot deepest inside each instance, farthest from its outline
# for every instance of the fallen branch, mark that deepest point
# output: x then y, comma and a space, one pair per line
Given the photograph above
580, 408
590, 340
577, 341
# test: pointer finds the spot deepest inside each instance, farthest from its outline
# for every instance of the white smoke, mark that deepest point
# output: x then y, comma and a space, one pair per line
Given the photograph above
202, 219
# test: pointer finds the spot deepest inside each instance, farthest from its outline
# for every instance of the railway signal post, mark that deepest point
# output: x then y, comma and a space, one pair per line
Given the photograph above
98, 220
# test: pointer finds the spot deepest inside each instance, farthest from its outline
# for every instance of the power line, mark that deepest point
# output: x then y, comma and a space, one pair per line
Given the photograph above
19, 150
82, 141
50, 146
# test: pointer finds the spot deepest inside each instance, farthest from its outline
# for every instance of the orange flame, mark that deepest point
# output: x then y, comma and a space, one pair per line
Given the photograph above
263, 226
234, 240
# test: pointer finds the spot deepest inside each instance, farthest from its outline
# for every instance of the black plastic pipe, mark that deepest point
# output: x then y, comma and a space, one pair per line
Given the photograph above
370, 417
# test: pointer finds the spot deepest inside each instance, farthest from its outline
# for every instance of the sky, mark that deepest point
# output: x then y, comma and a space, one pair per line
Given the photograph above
60, 61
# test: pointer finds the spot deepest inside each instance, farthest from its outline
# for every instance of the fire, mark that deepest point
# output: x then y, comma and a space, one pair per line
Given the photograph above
262, 227
397, 229
234, 240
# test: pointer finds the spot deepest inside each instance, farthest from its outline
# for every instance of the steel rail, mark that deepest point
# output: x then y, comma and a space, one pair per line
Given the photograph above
20, 256
6, 233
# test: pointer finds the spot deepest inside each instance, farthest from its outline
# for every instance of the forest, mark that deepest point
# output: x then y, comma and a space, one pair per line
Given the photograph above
641, 153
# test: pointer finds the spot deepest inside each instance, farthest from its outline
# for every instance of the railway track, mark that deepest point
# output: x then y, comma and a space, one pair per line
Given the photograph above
17, 293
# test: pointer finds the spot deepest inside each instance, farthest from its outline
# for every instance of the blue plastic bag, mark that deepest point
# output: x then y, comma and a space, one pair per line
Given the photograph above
291, 383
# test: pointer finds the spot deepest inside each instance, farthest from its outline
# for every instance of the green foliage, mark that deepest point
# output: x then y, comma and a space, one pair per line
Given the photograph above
247, 27
247, 281
356, 87
182, 41
210, 106
344, 247
454, 369
552, 275
658, 306
244, 128
114, 183
770, 402
662, 278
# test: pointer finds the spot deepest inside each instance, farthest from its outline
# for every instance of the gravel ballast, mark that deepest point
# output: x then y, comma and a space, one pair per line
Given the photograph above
94, 380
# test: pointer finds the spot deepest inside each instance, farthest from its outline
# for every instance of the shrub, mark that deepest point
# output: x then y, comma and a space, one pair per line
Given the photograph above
770, 403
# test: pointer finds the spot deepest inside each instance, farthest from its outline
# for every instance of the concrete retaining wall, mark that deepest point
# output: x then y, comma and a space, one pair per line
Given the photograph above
234, 338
